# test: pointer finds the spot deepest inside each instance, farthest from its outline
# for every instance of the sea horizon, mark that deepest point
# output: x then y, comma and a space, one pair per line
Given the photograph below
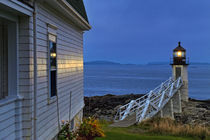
122, 79
108, 62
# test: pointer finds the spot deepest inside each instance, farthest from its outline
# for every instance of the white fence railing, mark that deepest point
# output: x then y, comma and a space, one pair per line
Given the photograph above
151, 103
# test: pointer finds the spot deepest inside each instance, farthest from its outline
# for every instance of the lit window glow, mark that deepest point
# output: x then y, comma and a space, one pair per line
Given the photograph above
53, 55
179, 53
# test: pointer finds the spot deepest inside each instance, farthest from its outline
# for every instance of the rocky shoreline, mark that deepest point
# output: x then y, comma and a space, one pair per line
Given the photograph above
195, 112
105, 107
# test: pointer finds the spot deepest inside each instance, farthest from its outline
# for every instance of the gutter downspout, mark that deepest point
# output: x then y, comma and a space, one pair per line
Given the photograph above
35, 70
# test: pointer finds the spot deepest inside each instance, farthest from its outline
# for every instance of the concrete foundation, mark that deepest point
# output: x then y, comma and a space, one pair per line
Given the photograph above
76, 121
177, 104
173, 106
159, 114
167, 110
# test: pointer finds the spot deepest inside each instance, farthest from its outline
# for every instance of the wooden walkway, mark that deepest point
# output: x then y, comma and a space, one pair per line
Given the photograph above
128, 121
151, 103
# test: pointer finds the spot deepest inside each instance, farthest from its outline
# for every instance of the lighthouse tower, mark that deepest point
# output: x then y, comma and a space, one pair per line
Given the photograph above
179, 69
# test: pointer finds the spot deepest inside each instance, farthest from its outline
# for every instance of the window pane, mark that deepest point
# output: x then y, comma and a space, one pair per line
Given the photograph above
3, 61
53, 69
53, 83
53, 55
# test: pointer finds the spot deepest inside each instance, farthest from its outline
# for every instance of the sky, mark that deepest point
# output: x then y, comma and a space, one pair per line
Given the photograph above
142, 31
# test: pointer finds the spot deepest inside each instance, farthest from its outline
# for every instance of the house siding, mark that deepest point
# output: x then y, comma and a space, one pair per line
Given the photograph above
16, 112
7, 121
69, 73
26, 76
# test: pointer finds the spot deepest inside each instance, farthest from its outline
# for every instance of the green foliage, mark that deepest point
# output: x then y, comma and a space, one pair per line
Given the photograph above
90, 128
66, 133
87, 130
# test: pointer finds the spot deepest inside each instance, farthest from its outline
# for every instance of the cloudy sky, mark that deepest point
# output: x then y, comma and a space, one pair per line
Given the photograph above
141, 31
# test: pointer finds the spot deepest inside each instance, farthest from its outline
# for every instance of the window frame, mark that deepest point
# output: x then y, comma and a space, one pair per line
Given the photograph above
52, 31
52, 68
13, 58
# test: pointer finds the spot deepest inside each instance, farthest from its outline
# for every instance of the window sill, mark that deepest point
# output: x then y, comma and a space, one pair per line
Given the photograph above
9, 99
52, 100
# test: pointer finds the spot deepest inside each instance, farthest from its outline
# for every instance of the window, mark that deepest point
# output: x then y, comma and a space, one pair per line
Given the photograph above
178, 72
3, 61
8, 58
52, 65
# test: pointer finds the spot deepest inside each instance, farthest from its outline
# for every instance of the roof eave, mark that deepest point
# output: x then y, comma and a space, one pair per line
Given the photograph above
71, 13
179, 49
17, 6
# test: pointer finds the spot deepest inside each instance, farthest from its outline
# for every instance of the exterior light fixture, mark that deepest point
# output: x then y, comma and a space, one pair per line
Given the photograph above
53, 55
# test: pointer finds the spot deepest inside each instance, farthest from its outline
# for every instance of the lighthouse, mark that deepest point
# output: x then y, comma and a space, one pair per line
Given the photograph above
180, 69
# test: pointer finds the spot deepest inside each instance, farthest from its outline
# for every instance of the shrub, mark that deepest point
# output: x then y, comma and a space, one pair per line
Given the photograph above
66, 133
89, 129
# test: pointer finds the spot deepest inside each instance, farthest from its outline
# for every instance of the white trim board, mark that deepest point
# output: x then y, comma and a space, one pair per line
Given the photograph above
18, 6
13, 59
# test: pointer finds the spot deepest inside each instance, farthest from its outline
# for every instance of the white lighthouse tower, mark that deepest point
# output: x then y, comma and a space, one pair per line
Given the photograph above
179, 69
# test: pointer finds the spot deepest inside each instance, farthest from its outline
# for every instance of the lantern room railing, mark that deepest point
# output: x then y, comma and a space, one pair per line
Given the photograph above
179, 61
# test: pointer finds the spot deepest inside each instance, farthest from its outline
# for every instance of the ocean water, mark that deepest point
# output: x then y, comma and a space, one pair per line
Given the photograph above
137, 79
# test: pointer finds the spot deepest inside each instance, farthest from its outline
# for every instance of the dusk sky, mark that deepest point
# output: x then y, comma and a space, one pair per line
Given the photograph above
141, 31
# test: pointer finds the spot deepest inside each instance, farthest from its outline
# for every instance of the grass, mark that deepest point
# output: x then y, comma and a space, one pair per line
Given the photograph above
146, 131
122, 135
169, 126
164, 126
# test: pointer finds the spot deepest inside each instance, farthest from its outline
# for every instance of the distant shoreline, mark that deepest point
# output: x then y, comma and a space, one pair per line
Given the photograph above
138, 95
149, 63
100, 96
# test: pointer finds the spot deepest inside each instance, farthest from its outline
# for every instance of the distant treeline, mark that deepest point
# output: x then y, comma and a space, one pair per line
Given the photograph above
150, 63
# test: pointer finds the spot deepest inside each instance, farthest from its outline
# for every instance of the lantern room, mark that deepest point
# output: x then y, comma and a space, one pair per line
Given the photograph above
179, 55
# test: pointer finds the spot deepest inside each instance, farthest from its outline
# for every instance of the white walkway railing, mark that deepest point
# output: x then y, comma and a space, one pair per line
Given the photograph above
150, 104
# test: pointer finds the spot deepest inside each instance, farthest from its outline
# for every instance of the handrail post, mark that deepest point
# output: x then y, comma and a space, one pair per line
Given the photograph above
146, 105
161, 87
137, 114
171, 89
178, 82
169, 82
127, 110
120, 114
161, 99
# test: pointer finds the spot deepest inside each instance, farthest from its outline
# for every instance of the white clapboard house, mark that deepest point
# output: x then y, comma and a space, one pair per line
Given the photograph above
41, 67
